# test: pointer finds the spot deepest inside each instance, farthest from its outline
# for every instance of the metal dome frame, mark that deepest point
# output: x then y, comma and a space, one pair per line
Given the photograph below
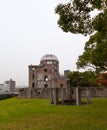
49, 57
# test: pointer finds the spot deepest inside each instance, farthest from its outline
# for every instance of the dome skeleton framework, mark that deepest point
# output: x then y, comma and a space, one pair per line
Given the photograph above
49, 57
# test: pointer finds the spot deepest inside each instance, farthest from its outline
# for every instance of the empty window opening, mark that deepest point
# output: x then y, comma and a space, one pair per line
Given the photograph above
49, 62
33, 69
45, 70
33, 76
45, 78
33, 85
72, 92
56, 70
61, 85
46, 85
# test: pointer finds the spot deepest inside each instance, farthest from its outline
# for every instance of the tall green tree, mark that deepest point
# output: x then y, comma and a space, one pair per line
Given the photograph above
75, 17
83, 79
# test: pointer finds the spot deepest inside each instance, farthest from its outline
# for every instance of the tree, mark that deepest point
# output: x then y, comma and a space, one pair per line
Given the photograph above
75, 17
95, 54
83, 79
101, 79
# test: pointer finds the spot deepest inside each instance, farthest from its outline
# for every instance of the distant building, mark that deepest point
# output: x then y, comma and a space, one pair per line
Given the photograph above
66, 72
7, 87
11, 84
4, 88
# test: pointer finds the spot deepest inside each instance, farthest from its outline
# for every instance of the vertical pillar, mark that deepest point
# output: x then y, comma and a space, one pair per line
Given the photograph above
78, 96
56, 96
68, 90
62, 93
28, 92
51, 96
88, 95
104, 92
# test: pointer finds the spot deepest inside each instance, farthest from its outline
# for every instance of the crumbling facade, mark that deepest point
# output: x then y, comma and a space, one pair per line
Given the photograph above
43, 77
46, 74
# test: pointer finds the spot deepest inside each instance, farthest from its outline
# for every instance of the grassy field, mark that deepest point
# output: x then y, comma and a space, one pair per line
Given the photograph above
39, 114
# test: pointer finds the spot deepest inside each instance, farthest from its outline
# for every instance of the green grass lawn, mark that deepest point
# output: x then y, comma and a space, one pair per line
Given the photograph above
39, 114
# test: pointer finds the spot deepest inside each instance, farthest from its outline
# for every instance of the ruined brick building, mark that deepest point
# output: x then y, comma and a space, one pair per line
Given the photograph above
44, 76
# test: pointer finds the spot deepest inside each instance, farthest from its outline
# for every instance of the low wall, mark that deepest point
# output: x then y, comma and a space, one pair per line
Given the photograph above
62, 92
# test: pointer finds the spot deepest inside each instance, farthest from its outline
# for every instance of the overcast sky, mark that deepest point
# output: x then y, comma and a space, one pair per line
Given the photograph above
29, 30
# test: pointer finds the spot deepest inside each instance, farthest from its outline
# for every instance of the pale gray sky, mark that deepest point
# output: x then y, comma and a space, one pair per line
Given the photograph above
29, 30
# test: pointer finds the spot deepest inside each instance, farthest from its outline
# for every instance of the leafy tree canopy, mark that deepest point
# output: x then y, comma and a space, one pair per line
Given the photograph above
95, 54
83, 79
75, 17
